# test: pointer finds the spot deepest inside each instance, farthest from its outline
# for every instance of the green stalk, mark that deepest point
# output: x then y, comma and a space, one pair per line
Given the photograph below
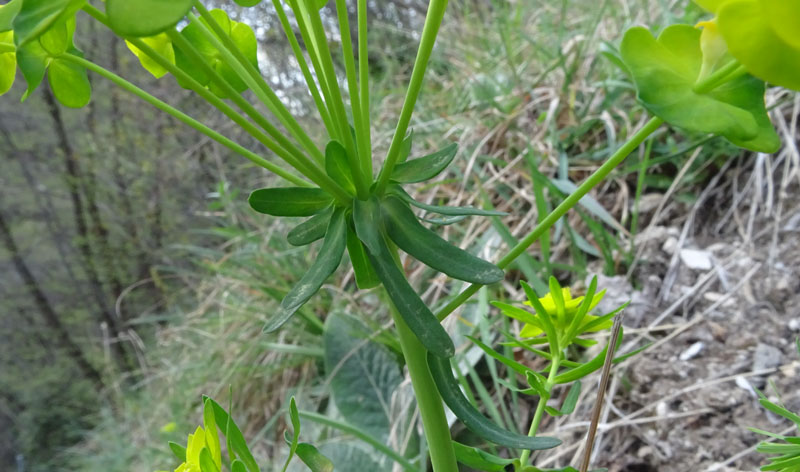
367, 438
434, 421
720, 76
362, 189
363, 82
352, 85
301, 61
433, 20
183, 117
598, 176
247, 72
539, 414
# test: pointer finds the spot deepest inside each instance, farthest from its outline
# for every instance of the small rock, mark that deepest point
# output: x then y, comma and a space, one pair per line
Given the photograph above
794, 324
669, 245
766, 357
696, 259
692, 351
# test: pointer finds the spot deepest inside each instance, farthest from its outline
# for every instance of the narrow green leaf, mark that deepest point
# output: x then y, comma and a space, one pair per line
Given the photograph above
406, 231
210, 428
444, 210
8, 12
510, 363
477, 423
414, 311
405, 147
780, 411
571, 399
338, 167
69, 82
178, 450
366, 219
537, 383
479, 460
232, 432
328, 259
145, 17
289, 201
37, 16
546, 321
366, 277
310, 230
424, 168
518, 314
294, 417
207, 462
314, 459
587, 368
449, 220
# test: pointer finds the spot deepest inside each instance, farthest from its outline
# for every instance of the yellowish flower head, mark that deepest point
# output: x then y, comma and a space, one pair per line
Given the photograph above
194, 446
561, 321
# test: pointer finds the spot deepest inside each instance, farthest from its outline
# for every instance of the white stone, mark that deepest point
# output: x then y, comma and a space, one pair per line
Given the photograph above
696, 259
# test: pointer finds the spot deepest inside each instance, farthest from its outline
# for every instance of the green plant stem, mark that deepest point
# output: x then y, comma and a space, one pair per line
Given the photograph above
597, 176
352, 85
434, 421
539, 414
250, 74
322, 108
717, 78
433, 20
367, 438
363, 82
183, 117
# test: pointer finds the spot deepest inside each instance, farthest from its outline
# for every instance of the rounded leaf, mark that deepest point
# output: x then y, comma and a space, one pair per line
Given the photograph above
69, 83
145, 17
752, 41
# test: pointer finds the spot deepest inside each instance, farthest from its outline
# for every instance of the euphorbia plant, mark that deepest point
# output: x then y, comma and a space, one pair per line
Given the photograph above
694, 80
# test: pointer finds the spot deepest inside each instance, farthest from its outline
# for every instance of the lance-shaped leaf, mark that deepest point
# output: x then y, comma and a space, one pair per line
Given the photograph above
444, 210
415, 313
338, 167
473, 419
294, 416
236, 441
406, 231
310, 230
479, 460
569, 401
37, 16
426, 167
665, 71
178, 450
8, 63
289, 201
366, 277
145, 17
748, 29
238, 466
328, 259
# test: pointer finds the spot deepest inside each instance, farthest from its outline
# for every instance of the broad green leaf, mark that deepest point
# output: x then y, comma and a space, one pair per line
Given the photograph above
294, 417
444, 210
424, 168
69, 82
7, 14
247, 3
310, 230
37, 16
406, 231
784, 17
479, 460
337, 166
238, 445
178, 450
313, 459
362, 374
289, 201
366, 277
665, 71
451, 393
8, 63
145, 17
207, 462
328, 259
366, 218
161, 44
32, 60
747, 29
414, 311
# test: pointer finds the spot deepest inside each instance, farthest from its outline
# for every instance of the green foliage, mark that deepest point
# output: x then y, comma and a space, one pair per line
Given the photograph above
35, 17
665, 71
162, 45
289, 201
426, 167
145, 17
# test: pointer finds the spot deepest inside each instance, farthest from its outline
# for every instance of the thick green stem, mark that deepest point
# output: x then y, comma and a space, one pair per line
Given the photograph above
539, 414
598, 176
183, 117
433, 21
431, 409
